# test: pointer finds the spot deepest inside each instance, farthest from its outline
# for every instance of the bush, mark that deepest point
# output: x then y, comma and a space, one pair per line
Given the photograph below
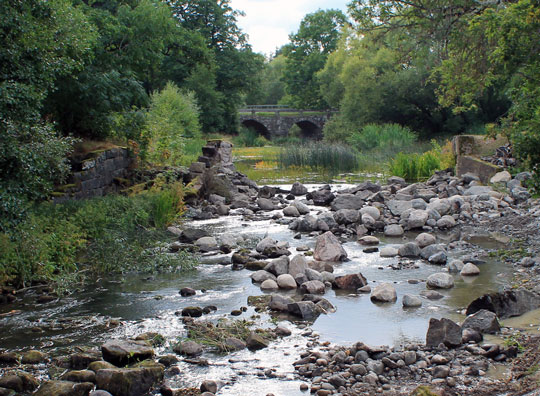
319, 156
173, 118
338, 129
248, 137
415, 167
113, 234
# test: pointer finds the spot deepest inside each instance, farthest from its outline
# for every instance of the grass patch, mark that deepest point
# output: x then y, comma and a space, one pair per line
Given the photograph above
320, 156
215, 335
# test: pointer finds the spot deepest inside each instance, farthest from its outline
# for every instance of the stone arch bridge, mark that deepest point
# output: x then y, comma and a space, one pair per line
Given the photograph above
276, 121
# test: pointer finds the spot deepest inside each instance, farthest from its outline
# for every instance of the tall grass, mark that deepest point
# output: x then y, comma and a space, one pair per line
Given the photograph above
382, 137
415, 167
248, 137
319, 156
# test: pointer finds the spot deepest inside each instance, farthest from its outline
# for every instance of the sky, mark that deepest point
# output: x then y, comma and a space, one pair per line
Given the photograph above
268, 23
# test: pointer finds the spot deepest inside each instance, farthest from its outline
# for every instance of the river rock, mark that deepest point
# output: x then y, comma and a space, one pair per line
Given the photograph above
410, 301
65, 388
187, 292
347, 216
506, 304
188, 348
207, 244
393, 230
438, 258
275, 251
255, 342
302, 208
424, 239
297, 265
368, 240
442, 206
264, 243
322, 197
350, 282
478, 190
388, 251
278, 266
20, 382
279, 303
190, 235
100, 365
440, 280
446, 221
261, 276
455, 266
501, 177
312, 274
410, 250
417, 219
269, 285
307, 224
306, 310
470, 269
193, 312
122, 352
129, 381
385, 292
374, 212
328, 248
483, 321
291, 211
298, 189
313, 287
431, 294
265, 204
328, 277
397, 207
347, 201
33, 357
443, 331
79, 376
99, 393
286, 282
431, 250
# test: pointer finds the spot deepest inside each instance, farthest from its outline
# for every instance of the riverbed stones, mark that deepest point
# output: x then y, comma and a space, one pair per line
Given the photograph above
291, 211
369, 240
397, 207
506, 304
470, 269
410, 301
33, 357
190, 235
417, 219
501, 177
347, 201
350, 282
410, 250
129, 381
322, 197
313, 287
298, 189
188, 348
455, 266
388, 251
306, 310
65, 388
19, 381
483, 321
187, 292
79, 376
122, 352
255, 342
328, 248
269, 285
286, 282
278, 266
264, 243
446, 221
443, 331
384, 293
302, 208
347, 216
207, 244
440, 280
393, 230
297, 265
193, 312
424, 239
262, 275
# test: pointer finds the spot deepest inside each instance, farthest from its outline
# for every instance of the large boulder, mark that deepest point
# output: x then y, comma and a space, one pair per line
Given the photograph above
265, 204
129, 381
306, 310
298, 189
207, 244
278, 266
440, 280
443, 331
397, 207
190, 235
350, 282
322, 197
410, 249
298, 265
262, 275
424, 239
265, 243
470, 269
291, 211
328, 248
347, 216
65, 388
506, 304
302, 208
417, 219
385, 292
347, 201
393, 230
122, 352
483, 321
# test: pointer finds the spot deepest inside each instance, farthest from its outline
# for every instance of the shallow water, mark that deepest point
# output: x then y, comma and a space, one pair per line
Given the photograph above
142, 304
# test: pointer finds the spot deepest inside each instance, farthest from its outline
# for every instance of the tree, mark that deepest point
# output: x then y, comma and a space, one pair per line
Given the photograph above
306, 54
269, 88
41, 41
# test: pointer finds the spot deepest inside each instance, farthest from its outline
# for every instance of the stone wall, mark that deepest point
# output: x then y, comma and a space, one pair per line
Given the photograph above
96, 174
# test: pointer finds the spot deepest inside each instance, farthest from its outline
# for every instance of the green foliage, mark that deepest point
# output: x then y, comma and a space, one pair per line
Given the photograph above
386, 136
319, 156
414, 166
32, 158
270, 87
171, 120
248, 137
306, 54
113, 234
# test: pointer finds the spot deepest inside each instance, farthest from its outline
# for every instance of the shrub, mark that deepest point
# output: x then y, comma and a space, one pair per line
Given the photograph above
248, 137
415, 166
173, 117
385, 137
319, 156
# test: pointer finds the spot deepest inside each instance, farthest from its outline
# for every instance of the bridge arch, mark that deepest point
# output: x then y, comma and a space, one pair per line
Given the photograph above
257, 126
309, 130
